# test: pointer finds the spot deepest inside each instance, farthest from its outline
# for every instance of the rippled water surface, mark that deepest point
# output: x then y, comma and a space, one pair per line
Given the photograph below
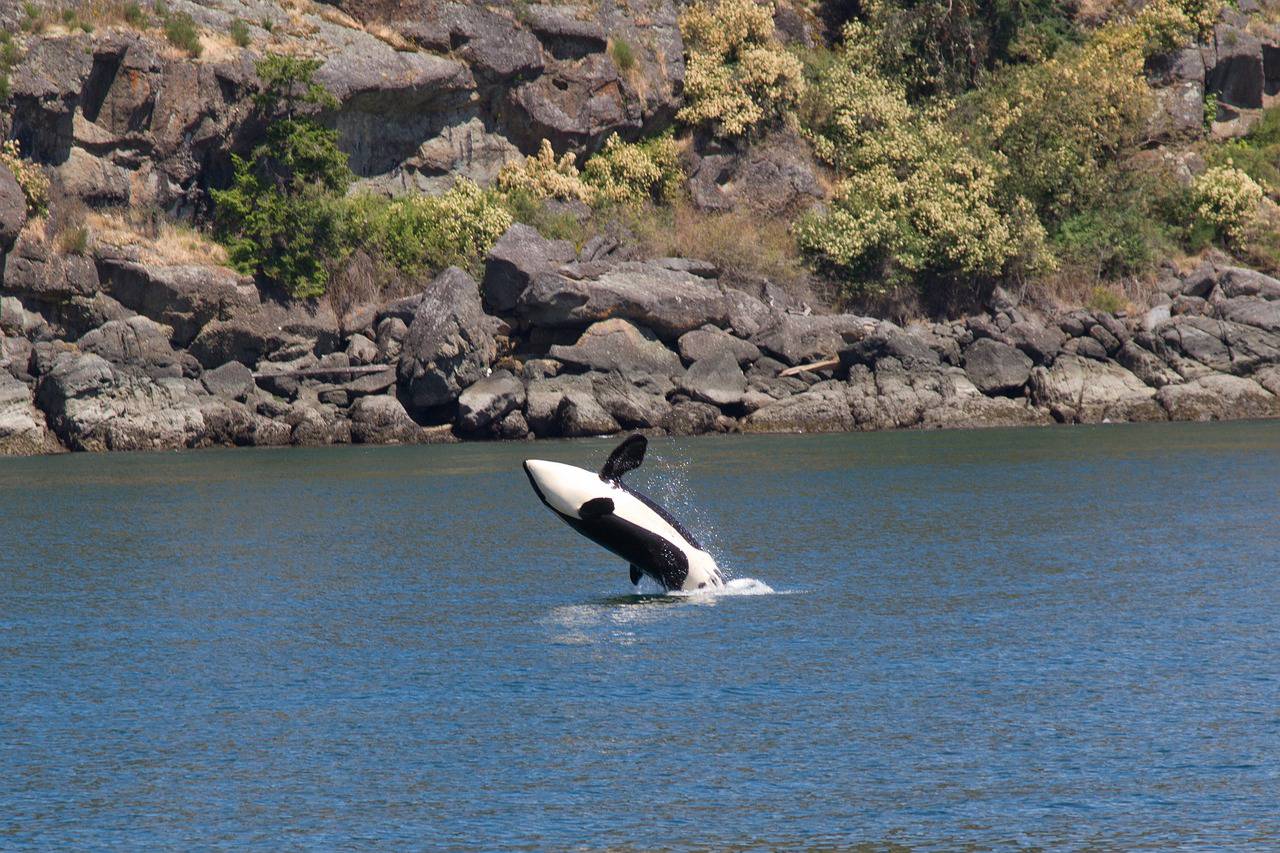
1002, 638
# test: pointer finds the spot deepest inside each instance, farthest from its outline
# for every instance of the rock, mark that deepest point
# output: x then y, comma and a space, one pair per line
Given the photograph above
1082, 390
965, 407
13, 209
520, 255
80, 315
776, 177
822, 408
370, 383
92, 408
382, 420
232, 381
450, 343
618, 345
488, 401
271, 331
1041, 343
996, 368
1237, 281
716, 379
691, 418
391, 334
543, 398
33, 269
795, 339
581, 415
1234, 69
539, 368
183, 297
1146, 366
708, 341
670, 302
1220, 345
1218, 397
361, 350
271, 433
22, 426
1252, 311
309, 427
633, 402
17, 321
229, 423
1085, 348
139, 344
513, 426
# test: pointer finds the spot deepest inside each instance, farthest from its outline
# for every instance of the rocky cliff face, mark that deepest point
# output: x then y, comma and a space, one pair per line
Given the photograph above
123, 345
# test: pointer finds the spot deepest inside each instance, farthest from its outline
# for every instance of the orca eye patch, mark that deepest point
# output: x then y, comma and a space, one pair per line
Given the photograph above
595, 508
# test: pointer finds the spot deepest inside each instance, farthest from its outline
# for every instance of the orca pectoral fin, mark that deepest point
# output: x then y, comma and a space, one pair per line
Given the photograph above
636, 574
595, 508
625, 457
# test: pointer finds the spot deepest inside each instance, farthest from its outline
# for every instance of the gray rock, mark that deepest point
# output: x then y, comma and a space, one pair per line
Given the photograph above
716, 379
708, 341
543, 398
631, 401
777, 177
1234, 69
382, 420
1252, 311
1110, 343
232, 381
1041, 343
795, 339
361, 350
271, 330
996, 368
513, 426
822, 408
1218, 397
139, 344
618, 345
183, 297
1082, 390
22, 426
912, 349
1146, 365
691, 418
1221, 345
370, 383
1085, 348
80, 315
228, 423
488, 401
13, 209
520, 255
1237, 281
33, 269
450, 342
391, 334
581, 415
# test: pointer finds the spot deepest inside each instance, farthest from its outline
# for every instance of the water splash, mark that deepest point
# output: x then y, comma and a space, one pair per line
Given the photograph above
666, 480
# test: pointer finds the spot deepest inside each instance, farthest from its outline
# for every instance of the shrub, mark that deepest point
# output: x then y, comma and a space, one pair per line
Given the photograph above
1228, 199
240, 33
623, 56
738, 79
1107, 300
180, 30
32, 179
543, 176
429, 233
73, 240
282, 215
553, 224
631, 172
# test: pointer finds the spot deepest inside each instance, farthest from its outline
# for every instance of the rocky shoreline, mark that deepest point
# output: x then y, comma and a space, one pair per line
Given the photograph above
107, 353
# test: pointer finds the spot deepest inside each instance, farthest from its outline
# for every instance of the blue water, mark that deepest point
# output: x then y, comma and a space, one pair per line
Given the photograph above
1054, 637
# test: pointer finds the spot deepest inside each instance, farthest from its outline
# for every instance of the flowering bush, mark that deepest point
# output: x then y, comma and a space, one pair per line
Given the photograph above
638, 171
738, 79
543, 176
1228, 199
29, 175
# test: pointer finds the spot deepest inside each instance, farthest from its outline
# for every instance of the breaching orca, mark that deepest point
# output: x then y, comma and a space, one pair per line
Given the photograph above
622, 520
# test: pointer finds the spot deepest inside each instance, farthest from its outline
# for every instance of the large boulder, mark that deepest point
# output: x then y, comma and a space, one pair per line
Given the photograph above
520, 255
488, 401
778, 177
1238, 281
668, 301
184, 296
450, 343
232, 380
692, 418
796, 339
138, 344
92, 407
382, 419
580, 415
708, 341
36, 270
1218, 397
822, 408
996, 368
1083, 390
1222, 345
716, 379
635, 402
618, 345
543, 399
22, 427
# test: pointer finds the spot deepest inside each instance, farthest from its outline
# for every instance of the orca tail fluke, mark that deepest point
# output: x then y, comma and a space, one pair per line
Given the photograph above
627, 456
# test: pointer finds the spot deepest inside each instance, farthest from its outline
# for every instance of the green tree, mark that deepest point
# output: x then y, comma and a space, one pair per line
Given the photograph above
280, 218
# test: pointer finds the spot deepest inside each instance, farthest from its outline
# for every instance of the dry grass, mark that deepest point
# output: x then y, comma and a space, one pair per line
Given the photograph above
154, 237
391, 37
747, 248
1070, 289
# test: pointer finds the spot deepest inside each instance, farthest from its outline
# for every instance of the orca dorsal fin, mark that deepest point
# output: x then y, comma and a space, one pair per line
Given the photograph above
625, 457
636, 574
595, 508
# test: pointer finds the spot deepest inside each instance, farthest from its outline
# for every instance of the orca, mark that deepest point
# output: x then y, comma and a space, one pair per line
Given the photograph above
618, 518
